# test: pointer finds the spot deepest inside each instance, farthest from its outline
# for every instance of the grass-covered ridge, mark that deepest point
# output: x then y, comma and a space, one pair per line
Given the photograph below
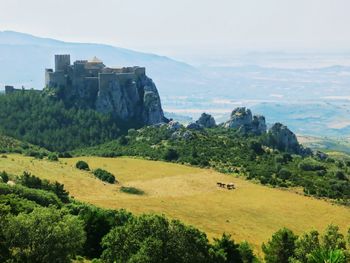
251, 212
229, 152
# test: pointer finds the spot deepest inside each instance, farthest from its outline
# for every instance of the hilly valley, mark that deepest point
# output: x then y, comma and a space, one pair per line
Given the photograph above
92, 168
251, 212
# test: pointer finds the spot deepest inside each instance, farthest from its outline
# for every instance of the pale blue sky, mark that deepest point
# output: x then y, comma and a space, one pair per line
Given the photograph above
180, 27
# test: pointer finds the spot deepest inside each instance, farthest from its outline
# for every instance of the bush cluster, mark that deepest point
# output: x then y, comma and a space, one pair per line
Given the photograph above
104, 176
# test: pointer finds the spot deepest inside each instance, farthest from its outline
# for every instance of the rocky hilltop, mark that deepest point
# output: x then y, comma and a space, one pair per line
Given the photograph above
126, 93
243, 120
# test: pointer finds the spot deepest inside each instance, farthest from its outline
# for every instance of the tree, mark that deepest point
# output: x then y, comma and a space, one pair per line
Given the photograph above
52, 157
152, 238
229, 247
281, 247
4, 176
305, 245
332, 239
327, 256
44, 235
246, 252
97, 223
171, 155
82, 165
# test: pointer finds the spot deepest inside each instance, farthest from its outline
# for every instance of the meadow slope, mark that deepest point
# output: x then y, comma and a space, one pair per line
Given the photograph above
251, 212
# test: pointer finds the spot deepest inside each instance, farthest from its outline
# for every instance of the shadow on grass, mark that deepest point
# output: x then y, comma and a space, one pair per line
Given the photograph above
131, 190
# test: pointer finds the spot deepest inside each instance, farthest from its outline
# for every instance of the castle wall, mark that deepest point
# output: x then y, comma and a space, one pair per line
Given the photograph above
125, 78
140, 71
57, 79
106, 79
47, 76
62, 62
9, 89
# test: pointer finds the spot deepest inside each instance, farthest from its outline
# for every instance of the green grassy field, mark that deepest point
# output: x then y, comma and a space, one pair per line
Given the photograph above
250, 212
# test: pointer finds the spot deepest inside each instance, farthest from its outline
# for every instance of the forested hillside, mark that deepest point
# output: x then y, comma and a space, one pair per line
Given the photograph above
38, 119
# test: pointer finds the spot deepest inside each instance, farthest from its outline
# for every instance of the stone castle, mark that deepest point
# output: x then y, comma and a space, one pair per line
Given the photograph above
89, 73
124, 92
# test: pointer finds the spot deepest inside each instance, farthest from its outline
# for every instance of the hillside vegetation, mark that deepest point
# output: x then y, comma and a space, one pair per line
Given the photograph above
47, 122
11, 145
227, 151
250, 212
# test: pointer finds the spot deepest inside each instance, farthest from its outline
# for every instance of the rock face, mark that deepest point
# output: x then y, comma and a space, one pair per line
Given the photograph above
138, 100
174, 126
206, 121
243, 120
127, 93
194, 126
280, 137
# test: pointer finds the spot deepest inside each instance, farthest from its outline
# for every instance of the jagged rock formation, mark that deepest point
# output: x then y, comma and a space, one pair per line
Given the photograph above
243, 120
206, 121
280, 137
174, 126
194, 126
126, 93
186, 135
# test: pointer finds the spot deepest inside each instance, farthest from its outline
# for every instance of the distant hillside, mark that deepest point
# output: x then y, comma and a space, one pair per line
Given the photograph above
24, 57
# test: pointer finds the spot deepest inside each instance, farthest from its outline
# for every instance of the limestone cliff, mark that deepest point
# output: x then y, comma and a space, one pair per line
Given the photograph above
137, 100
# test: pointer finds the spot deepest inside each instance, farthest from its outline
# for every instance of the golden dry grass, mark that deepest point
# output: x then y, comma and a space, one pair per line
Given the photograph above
251, 212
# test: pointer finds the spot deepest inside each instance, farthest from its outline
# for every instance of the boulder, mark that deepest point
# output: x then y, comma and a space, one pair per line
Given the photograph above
174, 126
186, 135
194, 126
206, 121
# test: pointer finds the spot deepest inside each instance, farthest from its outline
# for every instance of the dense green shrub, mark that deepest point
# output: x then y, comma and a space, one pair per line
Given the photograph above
152, 238
171, 155
284, 174
82, 165
104, 176
32, 181
131, 190
44, 235
52, 157
281, 247
4, 177
40, 197
310, 164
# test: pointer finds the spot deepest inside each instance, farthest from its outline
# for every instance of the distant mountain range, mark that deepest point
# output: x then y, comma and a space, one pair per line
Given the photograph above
308, 92
24, 57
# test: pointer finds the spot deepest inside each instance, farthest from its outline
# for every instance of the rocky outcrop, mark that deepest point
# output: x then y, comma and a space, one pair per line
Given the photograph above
137, 100
174, 126
281, 138
194, 126
206, 121
243, 120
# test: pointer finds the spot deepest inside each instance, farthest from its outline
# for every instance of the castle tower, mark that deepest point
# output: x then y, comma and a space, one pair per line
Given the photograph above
62, 62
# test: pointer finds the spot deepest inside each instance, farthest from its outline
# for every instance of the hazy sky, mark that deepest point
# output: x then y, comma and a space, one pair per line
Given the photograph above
182, 27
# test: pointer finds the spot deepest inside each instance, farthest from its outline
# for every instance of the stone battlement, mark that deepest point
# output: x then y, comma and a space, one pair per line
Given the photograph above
81, 71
